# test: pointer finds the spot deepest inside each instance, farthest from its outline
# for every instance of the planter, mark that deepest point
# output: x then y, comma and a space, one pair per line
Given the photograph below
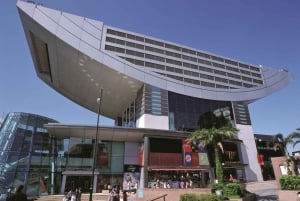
218, 192
288, 195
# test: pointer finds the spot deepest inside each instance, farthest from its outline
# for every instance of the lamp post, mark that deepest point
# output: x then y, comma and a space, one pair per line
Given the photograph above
95, 151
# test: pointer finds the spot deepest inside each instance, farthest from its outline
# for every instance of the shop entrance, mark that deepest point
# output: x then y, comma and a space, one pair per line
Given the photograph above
78, 181
179, 178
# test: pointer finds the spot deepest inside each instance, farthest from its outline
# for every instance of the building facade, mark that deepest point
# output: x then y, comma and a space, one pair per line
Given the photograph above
155, 90
266, 149
25, 153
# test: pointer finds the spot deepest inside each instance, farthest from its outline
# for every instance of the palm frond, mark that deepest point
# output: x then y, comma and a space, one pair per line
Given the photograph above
220, 146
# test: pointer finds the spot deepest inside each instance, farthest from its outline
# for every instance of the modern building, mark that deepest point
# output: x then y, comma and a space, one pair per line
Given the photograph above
266, 149
155, 90
24, 153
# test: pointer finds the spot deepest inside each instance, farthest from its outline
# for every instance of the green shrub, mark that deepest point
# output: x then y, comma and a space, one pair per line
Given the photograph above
216, 186
200, 197
290, 182
189, 197
232, 190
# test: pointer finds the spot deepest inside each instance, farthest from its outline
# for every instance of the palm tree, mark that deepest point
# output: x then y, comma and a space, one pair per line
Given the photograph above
214, 132
282, 142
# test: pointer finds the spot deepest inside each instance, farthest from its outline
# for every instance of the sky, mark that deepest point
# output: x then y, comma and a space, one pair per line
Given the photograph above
258, 32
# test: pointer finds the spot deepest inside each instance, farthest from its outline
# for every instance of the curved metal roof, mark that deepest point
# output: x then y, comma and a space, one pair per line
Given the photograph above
67, 54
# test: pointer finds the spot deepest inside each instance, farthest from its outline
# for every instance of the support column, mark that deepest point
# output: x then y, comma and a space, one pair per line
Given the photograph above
63, 184
95, 183
146, 160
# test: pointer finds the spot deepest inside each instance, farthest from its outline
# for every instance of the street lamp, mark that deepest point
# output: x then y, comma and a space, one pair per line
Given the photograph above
95, 151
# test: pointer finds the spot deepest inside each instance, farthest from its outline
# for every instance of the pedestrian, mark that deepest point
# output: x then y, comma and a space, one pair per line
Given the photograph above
123, 196
231, 178
19, 195
113, 196
78, 194
65, 198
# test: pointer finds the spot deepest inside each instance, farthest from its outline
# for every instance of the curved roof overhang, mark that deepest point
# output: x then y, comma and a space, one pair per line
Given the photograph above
111, 133
66, 50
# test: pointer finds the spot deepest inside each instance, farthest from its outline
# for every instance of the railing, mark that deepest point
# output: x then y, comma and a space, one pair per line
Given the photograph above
164, 196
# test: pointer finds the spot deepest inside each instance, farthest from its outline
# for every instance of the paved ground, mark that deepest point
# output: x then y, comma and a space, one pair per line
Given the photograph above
265, 191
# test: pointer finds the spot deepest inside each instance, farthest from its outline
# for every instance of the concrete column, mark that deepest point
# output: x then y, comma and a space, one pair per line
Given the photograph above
63, 184
146, 159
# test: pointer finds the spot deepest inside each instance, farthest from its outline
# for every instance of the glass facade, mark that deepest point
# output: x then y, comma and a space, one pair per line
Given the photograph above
185, 111
30, 156
24, 155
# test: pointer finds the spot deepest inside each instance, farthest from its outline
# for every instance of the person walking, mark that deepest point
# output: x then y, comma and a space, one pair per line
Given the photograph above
19, 195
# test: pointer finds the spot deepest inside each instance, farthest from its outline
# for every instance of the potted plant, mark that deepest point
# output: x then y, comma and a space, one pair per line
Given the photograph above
217, 188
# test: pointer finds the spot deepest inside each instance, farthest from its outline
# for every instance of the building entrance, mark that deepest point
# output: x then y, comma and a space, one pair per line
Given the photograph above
76, 181
198, 178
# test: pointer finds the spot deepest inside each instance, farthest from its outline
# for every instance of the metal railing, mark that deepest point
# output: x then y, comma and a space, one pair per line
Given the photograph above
156, 198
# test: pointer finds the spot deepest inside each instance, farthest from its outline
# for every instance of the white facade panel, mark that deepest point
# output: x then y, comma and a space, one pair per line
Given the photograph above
173, 86
155, 79
48, 23
75, 20
138, 74
249, 153
26, 7
67, 37
111, 61
91, 40
92, 29
153, 121
53, 14
73, 29
92, 52
95, 23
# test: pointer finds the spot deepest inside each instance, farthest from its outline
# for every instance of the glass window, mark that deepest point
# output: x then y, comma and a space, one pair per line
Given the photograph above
188, 51
187, 110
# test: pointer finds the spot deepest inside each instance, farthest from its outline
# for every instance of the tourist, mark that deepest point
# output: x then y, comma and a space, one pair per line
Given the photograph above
19, 195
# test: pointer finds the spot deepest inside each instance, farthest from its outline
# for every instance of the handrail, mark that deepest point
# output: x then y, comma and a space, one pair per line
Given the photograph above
164, 196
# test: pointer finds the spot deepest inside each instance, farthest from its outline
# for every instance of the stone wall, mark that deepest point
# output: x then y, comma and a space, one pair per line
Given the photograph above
276, 163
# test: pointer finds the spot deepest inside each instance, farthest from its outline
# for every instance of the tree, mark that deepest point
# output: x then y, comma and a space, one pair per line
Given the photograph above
214, 130
282, 142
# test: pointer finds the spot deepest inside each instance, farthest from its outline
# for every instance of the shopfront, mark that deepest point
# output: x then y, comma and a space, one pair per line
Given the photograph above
175, 178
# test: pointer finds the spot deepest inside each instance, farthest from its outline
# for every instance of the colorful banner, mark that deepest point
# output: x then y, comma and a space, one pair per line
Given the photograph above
188, 159
195, 158
195, 153
203, 159
187, 146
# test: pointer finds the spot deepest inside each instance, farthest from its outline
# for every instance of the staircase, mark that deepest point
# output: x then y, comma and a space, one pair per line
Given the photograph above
84, 197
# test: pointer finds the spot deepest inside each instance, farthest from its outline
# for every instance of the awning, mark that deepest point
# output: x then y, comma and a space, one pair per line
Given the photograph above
180, 168
234, 165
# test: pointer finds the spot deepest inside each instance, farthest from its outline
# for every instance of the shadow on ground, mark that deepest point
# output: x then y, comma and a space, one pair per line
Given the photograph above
267, 198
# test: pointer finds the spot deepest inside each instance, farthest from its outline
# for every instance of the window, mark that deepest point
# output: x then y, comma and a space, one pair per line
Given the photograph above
154, 42
173, 47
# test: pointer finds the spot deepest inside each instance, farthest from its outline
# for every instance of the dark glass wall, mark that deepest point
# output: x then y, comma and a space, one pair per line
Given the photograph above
151, 100
185, 111
24, 153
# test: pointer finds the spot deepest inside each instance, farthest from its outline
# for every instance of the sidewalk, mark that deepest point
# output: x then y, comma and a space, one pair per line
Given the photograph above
265, 190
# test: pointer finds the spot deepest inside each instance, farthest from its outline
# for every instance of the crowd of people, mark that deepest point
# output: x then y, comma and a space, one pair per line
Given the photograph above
117, 196
73, 195
18, 195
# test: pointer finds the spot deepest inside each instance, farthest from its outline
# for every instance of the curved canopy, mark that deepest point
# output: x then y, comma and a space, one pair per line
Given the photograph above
68, 55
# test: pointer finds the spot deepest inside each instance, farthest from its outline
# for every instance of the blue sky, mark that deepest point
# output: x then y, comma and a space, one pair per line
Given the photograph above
257, 32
